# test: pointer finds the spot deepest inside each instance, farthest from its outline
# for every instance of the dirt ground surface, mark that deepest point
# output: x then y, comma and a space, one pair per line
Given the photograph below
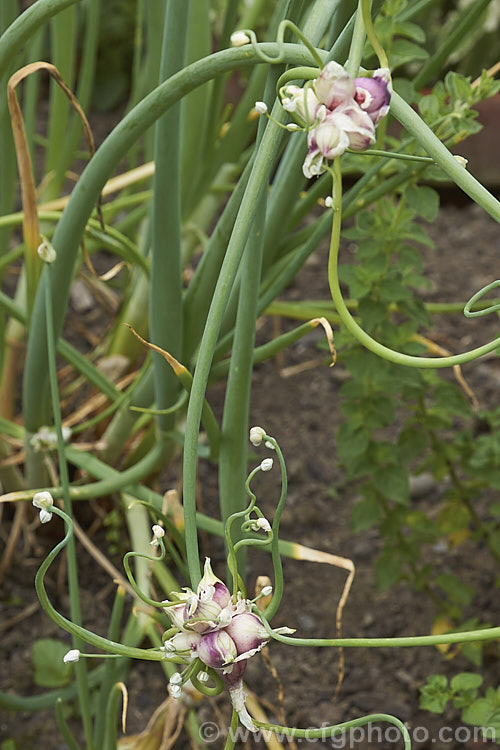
301, 409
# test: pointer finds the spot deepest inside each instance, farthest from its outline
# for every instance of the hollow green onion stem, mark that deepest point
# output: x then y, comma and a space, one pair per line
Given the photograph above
25, 26
75, 609
83, 198
366, 8
330, 731
130, 576
364, 338
470, 636
272, 608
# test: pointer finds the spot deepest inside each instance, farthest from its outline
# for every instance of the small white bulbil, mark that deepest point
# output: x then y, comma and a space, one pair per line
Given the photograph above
46, 252
328, 201
261, 524
203, 676
72, 656
44, 502
261, 108
158, 533
269, 445
293, 127
267, 464
239, 39
46, 438
45, 516
266, 591
175, 691
256, 436
183, 645
176, 679
461, 160
301, 102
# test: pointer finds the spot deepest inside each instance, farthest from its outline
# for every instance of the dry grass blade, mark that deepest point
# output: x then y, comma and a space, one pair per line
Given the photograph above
162, 729
311, 364
96, 402
314, 555
329, 336
101, 559
108, 275
169, 738
15, 460
457, 370
23, 615
286, 372
172, 507
124, 690
176, 366
28, 193
17, 526
491, 72
255, 709
114, 185
31, 228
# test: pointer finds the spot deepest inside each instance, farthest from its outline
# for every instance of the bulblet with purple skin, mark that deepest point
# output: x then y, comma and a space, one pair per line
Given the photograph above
373, 95
248, 634
206, 610
220, 632
217, 649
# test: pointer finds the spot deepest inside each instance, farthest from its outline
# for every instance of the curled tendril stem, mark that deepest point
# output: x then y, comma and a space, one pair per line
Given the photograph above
359, 334
302, 73
211, 690
272, 536
279, 58
476, 297
238, 584
70, 627
131, 578
273, 605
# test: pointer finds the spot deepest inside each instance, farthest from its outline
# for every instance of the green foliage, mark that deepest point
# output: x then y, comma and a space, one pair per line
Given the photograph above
403, 40
485, 712
462, 692
448, 109
398, 422
50, 671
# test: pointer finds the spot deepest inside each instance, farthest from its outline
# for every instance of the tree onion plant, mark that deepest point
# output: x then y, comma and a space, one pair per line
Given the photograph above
206, 218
